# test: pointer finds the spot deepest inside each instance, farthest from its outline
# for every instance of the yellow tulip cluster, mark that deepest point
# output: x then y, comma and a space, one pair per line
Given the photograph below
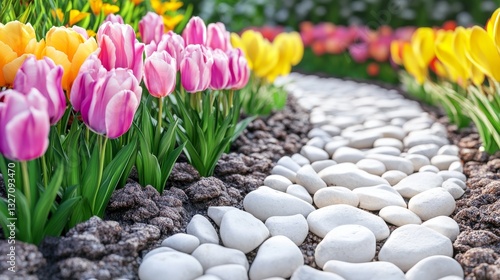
65, 46
270, 59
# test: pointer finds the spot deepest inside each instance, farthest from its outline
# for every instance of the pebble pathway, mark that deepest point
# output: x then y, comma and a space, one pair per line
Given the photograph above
374, 159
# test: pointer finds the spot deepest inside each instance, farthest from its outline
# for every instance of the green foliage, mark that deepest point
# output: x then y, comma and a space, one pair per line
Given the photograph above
260, 98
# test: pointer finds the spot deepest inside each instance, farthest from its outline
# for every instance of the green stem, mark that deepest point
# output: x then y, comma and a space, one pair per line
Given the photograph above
26, 181
44, 169
102, 150
160, 113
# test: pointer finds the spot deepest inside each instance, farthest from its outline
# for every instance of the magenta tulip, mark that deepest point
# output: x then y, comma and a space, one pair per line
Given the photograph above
196, 67
110, 108
88, 80
114, 18
119, 48
46, 77
218, 37
220, 70
24, 124
238, 69
195, 32
170, 42
359, 52
151, 28
160, 71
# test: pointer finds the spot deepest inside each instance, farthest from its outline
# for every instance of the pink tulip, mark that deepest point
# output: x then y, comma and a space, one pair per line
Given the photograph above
151, 28
170, 42
195, 32
46, 77
218, 37
80, 30
359, 52
114, 18
238, 68
160, 71
88, 80
196, 67
119, 48
24, 124
220, 70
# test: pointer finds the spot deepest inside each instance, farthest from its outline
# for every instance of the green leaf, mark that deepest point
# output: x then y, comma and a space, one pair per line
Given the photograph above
167, 165
24, 218
59, 220
89, 185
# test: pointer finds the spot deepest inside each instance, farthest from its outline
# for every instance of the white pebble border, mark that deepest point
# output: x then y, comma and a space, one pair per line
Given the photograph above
374, 159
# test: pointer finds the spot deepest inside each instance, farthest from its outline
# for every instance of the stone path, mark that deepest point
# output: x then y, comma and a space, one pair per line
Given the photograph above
377, 169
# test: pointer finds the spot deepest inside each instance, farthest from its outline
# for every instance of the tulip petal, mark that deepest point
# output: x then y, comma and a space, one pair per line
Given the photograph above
120, 113
483, 53
27, 135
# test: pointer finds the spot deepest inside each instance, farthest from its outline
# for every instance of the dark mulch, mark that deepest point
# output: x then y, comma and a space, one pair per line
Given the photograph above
138, 218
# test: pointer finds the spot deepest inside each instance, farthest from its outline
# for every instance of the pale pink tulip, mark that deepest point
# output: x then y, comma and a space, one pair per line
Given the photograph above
218, 37
195, 68
238, 68
195, 32
151, 28
160, 71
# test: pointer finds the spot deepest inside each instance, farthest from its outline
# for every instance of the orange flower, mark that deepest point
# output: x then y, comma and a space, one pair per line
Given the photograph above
58, 13
373, 69
162, 7
137, 2
95, 6
76, 16
110, 9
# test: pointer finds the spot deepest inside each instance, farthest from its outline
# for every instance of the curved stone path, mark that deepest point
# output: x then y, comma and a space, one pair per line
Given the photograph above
377, 169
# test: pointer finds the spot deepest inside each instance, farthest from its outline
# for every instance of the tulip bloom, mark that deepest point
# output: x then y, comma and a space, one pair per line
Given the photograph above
195, 68
220, 70
114, 18
170, 42
359, 52
151, 28
89, 79
238, 69
195, 32
160, 71
218, 37
119, 48
24, 125
46, 77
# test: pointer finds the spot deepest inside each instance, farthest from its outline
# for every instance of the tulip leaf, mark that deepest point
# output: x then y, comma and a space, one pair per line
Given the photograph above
59, 219
4, 217
90, 185
167, 165
23, 217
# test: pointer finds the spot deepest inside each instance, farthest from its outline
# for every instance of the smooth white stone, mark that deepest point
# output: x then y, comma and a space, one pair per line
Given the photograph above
208, 277
344, 121
457, 181
443, 162
277, 257
452, 277
299, 192
318, 132
429, 168
418, 161
435, 267
289, 163
274, 278
285, 172
325, 219
294, 227
444, 225
277, 182
453, 188
210, 255
398, 122
349, 243
390, 151
228, 272
452, 150
456, 166
217, 212
394, 162
364, 140
170, 265
411, 141
446, 174
182, 242
417, 183
394, 176
265, 202
300, 159
201, 227
410, 244
331, 130
349, 176
335, 195
242, 231
399, 216
333, 146
316, 142
309, 179
306, 272
314, 153
388, 142
363, 271
390, 131
371, 166
439, 130
377, 197
428, 150
432, 203
374, 123
348, 154
158, 251
322, 164
417, 124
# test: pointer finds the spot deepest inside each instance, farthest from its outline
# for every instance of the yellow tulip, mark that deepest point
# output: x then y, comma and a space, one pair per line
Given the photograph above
422, 43
171, 22
162, 7
76, 16
412, 65
299, 47
445, 52
484, 53
285, 44
396, 51
253, 43
69, 49
268, 60
110, 9
95, 6
58, 13
492, 26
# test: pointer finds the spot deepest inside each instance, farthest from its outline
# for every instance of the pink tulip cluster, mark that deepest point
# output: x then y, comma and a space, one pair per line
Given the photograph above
28, 110
203, 56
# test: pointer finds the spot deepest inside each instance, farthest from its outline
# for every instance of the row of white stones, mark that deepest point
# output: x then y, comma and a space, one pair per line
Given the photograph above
374, 159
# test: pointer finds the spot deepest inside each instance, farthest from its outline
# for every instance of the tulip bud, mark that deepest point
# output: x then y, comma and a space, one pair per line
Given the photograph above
195, 68
160, 71
195, 32
218, 37
46, 77
170, 42
238, 68
114, 18
24, 125
220, 70
151, 28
